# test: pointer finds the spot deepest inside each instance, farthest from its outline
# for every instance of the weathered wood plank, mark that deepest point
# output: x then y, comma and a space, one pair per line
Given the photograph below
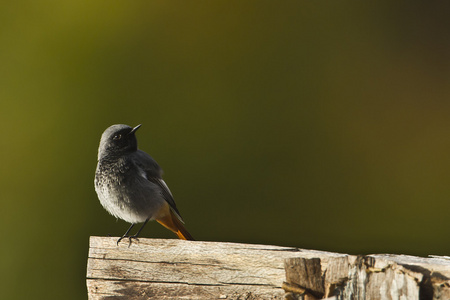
176, 269
381, 276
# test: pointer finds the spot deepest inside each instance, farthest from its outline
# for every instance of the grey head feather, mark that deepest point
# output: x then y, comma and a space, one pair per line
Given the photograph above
117, 140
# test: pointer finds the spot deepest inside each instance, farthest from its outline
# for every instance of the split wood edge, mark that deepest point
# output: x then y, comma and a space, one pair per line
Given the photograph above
168, 269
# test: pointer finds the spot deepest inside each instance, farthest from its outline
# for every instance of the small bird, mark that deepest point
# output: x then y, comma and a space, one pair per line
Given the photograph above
129, 184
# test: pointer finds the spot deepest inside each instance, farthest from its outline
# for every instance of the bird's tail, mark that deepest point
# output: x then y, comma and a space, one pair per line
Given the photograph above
171, 222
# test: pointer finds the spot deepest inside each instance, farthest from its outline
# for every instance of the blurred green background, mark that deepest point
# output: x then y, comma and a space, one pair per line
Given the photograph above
322, 125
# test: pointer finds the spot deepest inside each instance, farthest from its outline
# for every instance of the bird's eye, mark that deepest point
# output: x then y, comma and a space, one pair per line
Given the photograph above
117, 137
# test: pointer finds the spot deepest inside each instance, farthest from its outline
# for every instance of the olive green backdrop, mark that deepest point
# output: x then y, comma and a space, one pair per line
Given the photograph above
318, 124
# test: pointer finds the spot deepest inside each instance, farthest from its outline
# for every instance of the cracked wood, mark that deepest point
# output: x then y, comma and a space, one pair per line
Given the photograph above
176, 269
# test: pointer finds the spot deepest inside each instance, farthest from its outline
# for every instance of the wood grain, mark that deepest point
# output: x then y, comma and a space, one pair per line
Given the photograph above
177, 269
380, 276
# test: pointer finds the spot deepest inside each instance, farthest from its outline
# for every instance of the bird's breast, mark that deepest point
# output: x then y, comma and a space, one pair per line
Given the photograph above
126, 194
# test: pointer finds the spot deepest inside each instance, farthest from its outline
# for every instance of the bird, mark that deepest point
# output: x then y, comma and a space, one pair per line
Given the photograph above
129, 184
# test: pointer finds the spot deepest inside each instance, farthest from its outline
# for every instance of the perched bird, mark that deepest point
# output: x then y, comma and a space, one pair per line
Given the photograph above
129, 185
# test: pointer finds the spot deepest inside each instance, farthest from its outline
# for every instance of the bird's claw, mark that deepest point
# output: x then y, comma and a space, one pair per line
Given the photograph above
130, 238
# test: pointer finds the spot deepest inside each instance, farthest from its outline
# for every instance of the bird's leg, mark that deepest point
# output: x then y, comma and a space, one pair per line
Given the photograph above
137, 233
140, 229
125, 235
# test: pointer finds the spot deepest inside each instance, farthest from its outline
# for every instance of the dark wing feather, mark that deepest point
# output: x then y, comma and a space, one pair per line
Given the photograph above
166, 194
153, 173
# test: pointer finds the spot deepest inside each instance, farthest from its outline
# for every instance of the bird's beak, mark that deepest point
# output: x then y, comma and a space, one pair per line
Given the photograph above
134, 129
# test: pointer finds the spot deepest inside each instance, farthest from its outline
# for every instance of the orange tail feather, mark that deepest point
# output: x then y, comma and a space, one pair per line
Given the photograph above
171, 222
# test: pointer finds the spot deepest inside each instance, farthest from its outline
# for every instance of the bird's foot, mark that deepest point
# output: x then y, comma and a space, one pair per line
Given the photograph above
130, 238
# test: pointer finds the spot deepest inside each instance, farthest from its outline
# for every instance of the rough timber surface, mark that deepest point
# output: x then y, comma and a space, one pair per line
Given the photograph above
177, 269
378, 276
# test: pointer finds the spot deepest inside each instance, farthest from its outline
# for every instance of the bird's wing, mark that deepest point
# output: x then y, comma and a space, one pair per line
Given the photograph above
166, 194
153, 172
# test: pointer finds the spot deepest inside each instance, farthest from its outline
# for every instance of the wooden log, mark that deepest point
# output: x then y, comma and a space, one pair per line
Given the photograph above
176, 269
381, 276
